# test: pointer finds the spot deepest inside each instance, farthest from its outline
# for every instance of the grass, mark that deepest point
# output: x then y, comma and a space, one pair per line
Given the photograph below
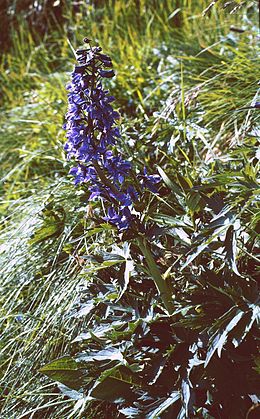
42, 278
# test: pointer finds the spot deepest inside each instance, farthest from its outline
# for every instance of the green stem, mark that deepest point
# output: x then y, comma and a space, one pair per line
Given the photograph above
160, 283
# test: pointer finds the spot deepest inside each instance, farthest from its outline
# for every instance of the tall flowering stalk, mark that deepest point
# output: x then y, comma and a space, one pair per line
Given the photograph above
92, 137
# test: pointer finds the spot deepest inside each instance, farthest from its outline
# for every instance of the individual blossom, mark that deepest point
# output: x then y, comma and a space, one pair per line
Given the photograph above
117, 167
122, 219
149, 181
83, 174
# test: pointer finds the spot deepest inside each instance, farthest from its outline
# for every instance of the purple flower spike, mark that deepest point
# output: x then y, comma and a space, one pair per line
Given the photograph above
91, 132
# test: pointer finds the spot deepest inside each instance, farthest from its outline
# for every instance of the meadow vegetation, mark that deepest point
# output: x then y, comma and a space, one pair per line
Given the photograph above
84, 333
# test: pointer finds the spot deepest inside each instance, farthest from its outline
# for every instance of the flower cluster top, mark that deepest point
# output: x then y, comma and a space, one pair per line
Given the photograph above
91, 138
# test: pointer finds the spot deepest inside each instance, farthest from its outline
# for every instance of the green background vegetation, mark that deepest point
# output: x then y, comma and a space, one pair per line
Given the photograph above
181, 79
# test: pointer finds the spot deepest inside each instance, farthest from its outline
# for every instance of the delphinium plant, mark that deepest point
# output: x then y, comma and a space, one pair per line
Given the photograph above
171, 307
94, 144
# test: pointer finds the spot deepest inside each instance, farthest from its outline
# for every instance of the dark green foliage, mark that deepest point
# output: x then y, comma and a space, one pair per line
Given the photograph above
205, 353
205, 247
